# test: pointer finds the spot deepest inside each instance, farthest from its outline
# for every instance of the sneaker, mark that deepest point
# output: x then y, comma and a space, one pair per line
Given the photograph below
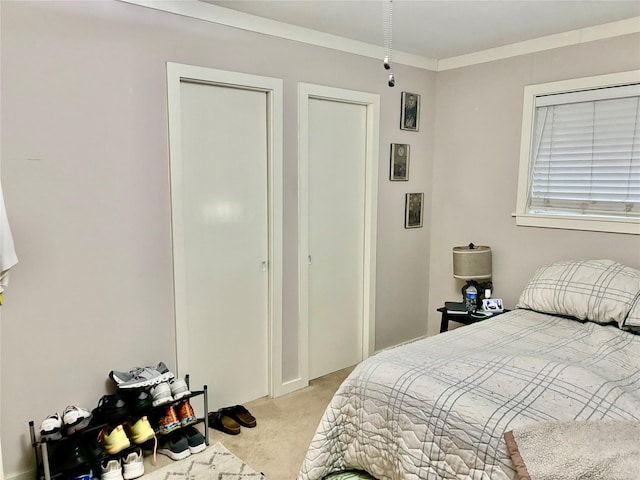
93, 450
122, 377
75, 418
138, 400
179, 388
82, 474
174, 447
142, 376
161, 394
114, 440
140, 431
133, 465
51, 428
111, 469
195, 440
70, 455
111, 409
163, 369
169, 421
186, 413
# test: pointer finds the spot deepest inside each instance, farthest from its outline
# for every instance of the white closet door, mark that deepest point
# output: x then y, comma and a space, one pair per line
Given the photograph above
337, 153
224, 136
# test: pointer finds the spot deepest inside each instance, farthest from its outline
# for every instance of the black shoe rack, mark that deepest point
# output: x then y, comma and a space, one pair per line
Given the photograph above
45, 449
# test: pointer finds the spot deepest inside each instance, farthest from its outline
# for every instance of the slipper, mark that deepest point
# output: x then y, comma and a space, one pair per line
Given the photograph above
221, 420
242, 416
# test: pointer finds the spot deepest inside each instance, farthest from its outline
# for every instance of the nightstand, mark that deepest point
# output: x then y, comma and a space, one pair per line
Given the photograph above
463, 318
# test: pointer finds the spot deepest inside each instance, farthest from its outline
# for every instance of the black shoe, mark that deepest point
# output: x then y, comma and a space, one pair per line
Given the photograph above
139, 400
241, 415
68, 456
93, 450
223, 421
111, 409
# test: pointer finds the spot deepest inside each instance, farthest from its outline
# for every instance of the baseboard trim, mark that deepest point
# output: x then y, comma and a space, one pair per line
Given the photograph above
28, 475
291, 386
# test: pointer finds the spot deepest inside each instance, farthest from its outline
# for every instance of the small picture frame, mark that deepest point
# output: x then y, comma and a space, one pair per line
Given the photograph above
399, 162
413, 210
410, 112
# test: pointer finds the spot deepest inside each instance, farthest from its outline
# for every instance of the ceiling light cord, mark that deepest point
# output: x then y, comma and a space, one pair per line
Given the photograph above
387, 28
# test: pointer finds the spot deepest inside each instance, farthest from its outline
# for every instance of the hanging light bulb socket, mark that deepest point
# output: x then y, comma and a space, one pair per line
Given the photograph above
392, 80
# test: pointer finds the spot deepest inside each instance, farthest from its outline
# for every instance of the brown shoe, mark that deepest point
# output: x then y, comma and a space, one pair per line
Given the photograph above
221, 420
242, 416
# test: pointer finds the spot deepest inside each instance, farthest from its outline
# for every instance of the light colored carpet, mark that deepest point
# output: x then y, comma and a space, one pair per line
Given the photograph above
278, 444
215, 463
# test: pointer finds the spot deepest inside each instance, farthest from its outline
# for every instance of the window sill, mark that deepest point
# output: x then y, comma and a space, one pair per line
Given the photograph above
595, 224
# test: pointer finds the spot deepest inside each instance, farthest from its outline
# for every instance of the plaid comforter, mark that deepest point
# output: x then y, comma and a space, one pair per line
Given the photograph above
437, 408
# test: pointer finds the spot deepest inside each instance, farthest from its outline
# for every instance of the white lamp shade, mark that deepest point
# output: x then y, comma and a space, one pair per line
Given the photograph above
472, 263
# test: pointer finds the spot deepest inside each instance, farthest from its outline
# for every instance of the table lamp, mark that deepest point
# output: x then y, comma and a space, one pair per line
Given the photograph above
472, 263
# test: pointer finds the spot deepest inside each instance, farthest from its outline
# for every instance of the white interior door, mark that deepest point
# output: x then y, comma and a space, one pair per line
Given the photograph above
224, 170
221, 144
336, 178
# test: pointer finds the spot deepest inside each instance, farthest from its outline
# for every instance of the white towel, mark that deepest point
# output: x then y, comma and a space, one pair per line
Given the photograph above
8, 256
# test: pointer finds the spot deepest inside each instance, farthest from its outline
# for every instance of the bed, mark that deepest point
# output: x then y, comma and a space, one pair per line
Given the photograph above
439, 408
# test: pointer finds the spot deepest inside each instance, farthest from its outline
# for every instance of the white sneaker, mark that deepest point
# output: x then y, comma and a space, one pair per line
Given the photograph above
75, 418
51, 427
161, 394
111, 470
179, 388
133, 465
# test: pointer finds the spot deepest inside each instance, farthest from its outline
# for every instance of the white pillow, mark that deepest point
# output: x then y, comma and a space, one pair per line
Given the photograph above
632, 322
601, 291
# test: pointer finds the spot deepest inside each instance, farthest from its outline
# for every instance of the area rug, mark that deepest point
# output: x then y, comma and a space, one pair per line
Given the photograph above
215, 463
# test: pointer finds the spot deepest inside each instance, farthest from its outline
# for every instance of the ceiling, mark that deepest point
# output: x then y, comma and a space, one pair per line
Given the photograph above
444, 28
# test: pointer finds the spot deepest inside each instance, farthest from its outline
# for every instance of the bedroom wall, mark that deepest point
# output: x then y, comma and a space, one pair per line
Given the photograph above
85, 178
476, 154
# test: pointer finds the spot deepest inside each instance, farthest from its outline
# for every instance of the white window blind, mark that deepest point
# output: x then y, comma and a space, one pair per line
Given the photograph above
585, 155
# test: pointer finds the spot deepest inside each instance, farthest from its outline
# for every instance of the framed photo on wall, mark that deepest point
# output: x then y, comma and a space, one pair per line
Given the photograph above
399, 162
413, 210
410, 112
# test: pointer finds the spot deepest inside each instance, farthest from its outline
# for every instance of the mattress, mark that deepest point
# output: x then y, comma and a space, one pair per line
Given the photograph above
438, 408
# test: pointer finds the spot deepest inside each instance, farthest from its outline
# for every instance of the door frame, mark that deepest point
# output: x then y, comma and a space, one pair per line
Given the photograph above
273, 87
371, 101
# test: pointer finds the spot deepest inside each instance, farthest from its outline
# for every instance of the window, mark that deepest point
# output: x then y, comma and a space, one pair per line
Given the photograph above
580, 154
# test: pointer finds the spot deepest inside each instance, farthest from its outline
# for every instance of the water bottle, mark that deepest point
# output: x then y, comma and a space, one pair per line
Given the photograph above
471, 298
